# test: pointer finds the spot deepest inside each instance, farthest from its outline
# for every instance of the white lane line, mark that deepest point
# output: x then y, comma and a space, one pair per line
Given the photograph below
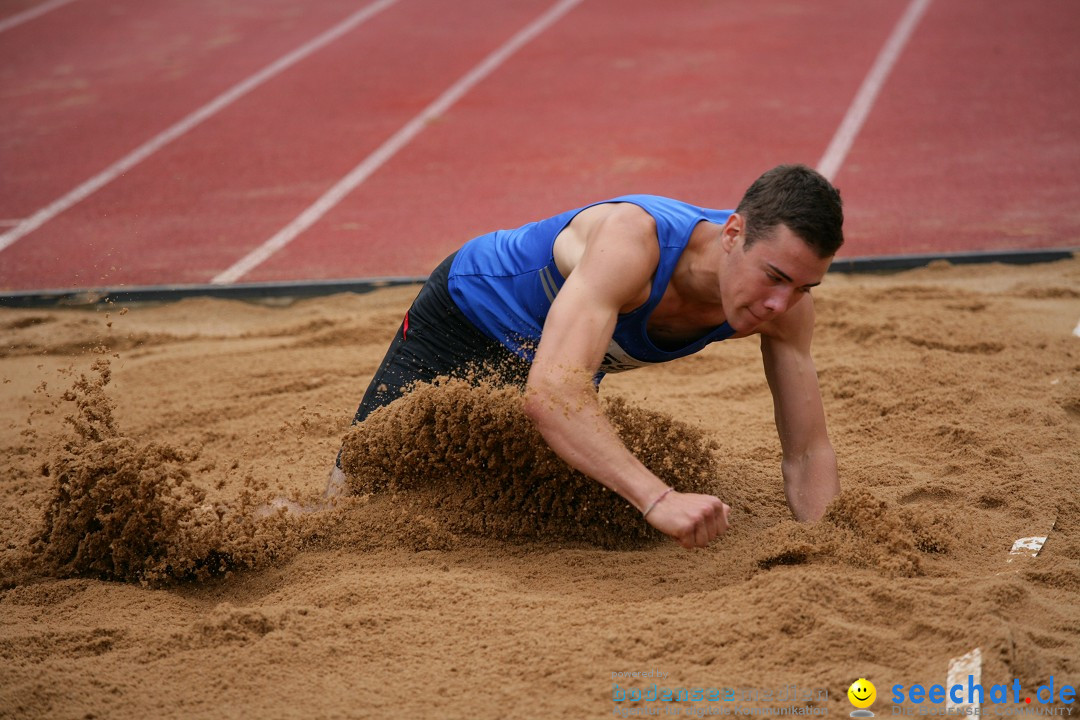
207, 111
864, 99
31, 13
390, 148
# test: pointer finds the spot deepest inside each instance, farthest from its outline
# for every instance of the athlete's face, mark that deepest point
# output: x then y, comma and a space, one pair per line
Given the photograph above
768, 278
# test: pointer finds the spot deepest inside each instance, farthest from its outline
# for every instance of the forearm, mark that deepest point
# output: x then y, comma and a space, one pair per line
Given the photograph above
574, 426
811, 481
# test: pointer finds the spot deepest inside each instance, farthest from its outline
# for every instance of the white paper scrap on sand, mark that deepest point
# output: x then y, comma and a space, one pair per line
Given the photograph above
1028, 546
959, 670
1076, 330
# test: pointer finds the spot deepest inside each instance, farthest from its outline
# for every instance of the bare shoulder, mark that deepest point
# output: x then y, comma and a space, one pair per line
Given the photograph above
612, 248
622, 216
628, 218
621, 227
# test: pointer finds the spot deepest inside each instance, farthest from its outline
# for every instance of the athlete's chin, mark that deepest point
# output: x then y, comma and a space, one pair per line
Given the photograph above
748, 323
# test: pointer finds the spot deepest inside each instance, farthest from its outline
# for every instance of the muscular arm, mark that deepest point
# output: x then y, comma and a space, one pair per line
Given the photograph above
809, 463
613, 273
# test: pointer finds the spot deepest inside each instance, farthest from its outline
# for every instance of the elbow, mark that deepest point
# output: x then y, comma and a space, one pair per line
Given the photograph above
553, 400
547, 405
539, 404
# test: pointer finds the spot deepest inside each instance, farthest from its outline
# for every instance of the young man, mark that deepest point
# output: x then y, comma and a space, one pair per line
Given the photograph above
556, 304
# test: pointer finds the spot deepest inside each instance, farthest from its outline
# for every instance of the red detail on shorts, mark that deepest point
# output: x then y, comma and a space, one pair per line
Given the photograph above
405, 327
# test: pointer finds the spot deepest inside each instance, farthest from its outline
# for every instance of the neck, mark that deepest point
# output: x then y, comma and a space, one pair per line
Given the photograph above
697, 275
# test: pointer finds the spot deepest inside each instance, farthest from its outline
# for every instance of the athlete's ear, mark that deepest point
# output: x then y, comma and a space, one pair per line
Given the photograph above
732, 231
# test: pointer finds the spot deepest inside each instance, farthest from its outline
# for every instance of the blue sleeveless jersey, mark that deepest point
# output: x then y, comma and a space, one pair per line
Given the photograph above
505, 282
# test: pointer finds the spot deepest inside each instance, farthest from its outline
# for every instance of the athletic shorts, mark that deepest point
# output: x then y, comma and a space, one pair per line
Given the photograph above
436, 339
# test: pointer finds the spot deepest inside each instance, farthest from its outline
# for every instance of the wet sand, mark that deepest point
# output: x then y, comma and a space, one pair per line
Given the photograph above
471, 574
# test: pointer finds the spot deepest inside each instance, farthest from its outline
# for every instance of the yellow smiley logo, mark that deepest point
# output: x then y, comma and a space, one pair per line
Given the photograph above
862, 693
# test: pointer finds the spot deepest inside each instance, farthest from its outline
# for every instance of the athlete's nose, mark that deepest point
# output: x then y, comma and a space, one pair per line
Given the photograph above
779, 299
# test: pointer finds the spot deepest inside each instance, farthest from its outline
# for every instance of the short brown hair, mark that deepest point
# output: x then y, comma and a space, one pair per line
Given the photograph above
800, 198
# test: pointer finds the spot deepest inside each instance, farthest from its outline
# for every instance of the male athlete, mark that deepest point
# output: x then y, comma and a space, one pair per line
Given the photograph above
628, 282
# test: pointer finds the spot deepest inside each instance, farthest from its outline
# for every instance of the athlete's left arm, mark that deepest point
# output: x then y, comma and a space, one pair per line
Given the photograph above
809, 464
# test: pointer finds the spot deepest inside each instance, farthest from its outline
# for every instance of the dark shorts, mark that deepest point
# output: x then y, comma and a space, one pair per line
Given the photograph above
436, 339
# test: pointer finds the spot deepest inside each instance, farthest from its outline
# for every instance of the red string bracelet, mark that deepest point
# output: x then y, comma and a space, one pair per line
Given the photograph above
656, 502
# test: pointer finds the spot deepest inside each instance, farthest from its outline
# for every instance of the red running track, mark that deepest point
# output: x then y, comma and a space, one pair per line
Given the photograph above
970, 145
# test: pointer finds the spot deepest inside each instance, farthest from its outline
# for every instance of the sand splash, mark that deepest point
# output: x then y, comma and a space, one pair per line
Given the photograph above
859, 530
121, 510
451, 459
467, 456
460, 458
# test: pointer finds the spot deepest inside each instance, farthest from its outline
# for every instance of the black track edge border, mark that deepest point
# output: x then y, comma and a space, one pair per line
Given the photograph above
296, 290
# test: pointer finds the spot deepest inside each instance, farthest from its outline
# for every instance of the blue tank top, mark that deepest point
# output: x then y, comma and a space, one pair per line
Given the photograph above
505, 282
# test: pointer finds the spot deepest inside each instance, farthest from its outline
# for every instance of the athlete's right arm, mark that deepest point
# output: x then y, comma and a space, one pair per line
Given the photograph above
613, 274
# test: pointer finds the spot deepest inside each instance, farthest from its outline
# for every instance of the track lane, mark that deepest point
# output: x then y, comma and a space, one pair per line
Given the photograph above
83, 86
682, 98
12, 15
973, 142
973, 128
189, 211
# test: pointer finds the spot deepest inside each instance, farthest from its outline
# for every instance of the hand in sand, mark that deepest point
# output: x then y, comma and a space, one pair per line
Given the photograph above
694, 520
335, 488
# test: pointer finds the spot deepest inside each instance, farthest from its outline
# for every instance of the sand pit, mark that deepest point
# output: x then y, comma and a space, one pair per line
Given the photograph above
486, 580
